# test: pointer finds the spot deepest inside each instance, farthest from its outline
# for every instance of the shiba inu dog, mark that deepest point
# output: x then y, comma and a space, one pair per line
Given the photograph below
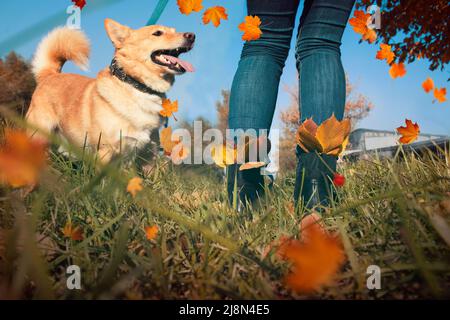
120, 107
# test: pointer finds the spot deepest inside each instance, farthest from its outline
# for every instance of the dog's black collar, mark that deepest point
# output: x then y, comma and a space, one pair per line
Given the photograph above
118, 72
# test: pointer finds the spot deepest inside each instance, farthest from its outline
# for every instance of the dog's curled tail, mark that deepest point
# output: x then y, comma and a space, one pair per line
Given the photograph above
56, 48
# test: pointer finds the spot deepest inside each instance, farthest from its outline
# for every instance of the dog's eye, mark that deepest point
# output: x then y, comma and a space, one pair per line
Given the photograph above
157, 33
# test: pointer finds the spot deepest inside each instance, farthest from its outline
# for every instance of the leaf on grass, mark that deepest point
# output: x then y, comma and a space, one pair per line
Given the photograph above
134, 186
72, 232
151, 232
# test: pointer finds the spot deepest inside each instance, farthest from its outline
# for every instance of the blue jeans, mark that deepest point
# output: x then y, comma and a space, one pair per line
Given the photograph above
318, 59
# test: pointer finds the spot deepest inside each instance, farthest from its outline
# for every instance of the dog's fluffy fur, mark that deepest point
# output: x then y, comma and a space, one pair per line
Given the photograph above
86, 108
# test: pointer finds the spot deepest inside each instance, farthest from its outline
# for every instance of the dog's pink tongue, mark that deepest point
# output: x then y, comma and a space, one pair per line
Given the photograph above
186, 65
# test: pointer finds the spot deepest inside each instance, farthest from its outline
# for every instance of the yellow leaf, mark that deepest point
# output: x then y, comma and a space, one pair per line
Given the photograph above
223, 155
169, 107
332, 134
306, 137
134, 186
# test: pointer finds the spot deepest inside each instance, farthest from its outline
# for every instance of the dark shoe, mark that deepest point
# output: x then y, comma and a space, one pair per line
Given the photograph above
313, 184
249, 186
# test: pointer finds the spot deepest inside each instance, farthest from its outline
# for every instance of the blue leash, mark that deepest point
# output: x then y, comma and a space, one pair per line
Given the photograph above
160, 6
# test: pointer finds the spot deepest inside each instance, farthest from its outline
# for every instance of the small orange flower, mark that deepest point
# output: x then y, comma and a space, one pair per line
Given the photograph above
440, 94
134, 186
21, 159
409, 133
151, 232
315, 260
397, 70
251, 29
71, 232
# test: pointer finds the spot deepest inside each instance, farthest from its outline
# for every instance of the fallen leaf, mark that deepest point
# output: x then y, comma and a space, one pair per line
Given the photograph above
385, 53
440, 94
409, 133
151, 232
22, 159
428, 85
168, 108
251, 165
214, 15
397, 70
187, 6
134, 186
251, 29
315, 260
223, 155
179, 153
166, 141
72, 232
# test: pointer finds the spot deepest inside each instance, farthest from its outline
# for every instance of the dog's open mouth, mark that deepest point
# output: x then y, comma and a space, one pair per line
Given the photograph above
169, 58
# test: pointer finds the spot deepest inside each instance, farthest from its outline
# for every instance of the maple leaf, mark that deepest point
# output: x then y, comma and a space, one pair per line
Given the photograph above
385, 53
214, 15
251, 29
397, 70
151, 232
315, 260
79, 3
179, 153
187, 6
331, 137
166, 141
21, 159
134, 186
409, 133
440, 94
428, 85
71, 232
168, 108
360, 23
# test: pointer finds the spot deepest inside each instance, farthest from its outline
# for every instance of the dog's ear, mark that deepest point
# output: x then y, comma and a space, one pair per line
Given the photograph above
116, 32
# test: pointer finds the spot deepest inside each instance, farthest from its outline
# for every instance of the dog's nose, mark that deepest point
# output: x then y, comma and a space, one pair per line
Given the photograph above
189, 36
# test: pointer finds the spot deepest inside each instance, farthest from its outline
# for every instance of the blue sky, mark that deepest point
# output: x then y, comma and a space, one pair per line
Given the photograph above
217, 53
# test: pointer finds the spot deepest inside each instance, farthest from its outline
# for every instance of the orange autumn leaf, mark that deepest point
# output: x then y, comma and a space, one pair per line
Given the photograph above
151, 232
409, 133
397, 70
331, 137
187, 6
440, 94
167, 141
315, 260
134, 186
169, 107
21, 159
251, 165
428, 85
385, 53
359, 23
71, 232
251, 29
214, 15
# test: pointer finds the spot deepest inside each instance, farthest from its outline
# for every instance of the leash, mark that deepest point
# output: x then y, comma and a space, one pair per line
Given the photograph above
160, 6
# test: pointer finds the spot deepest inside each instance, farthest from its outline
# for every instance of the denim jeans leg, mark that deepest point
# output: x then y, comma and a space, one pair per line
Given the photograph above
321, 88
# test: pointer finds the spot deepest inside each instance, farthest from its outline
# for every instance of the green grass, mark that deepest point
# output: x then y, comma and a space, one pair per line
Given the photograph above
386, 216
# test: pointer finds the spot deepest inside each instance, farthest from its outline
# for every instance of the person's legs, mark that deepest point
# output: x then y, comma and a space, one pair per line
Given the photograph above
322, 87
255, 85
